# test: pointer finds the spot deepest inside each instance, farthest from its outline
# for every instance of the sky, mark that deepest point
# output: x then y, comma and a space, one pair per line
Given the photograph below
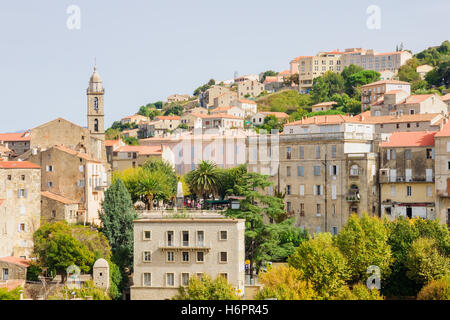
147, 50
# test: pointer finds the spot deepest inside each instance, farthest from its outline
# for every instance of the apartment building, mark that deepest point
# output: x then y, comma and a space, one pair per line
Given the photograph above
20, 207
372, 92
407, 162
230, 110
372, 60
249, 88
327, 166
184, 152
125, 157
73, 175
311, 67
169, 251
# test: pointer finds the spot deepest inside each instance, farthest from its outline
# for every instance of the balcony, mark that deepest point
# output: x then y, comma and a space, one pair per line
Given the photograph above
184, 245
399, 179
353, 197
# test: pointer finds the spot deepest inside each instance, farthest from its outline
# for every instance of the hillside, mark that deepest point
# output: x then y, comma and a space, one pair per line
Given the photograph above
284, 101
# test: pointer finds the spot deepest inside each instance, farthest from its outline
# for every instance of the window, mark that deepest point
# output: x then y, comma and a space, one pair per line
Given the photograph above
96, 125
429, 191
147, 279
302, 209
354, 171
223, 235
53, 214
318, 209
170, 279
408, 191
302, 152
288, 206
170, 256
5, 274
22, 177
49, 168
333, 209
50, 184
430, 153
408, 154
317, 152
200, 238
288, 171
184, 279
318, 190
288, 190
334, 231
224, 275
9, 177
302, 190
185, 256
147, 235
300, 171
333, 151
170, 238
185, 237
288, 153
147, 256
317, 170
223, 257
200, 256
21, 193
334, 170
393, 191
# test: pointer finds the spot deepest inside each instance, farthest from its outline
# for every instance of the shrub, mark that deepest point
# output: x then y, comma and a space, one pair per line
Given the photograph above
436, 290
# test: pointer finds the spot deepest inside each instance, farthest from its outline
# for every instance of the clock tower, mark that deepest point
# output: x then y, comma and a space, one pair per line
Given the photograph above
96, 111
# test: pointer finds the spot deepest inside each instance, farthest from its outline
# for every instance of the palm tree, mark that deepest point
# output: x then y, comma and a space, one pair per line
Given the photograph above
153, 185
205, 179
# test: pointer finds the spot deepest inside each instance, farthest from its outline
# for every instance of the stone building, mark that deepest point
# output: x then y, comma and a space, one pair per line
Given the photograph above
125, 157
225, 99
207, 98
100, 274
13, 272
442, 174
169, 251
20, 207
326, 166
73, 175
249, 88
55, 207
18, 143
407, 162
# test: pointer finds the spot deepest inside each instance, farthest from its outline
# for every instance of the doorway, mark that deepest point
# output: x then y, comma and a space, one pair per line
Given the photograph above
409, 212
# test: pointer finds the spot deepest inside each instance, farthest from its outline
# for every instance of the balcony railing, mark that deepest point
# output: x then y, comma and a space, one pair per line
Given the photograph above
352, 197
184, 245
392, 179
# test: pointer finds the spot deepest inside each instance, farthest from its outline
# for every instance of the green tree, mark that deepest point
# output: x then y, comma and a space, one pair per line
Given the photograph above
408, 72
322, 264
6, 294
358, 292
436, 290
175, 110
360, 78
131, 141
364, 242
207, 289
269, 73
425, 262
205, 179
57, 249
325, 86
350, 70
153, 185
117, 219
112, 134
165, 168
285, 283
271, 122
87, 290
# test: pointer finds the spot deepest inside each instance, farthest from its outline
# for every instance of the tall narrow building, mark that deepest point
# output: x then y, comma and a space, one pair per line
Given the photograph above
96, 111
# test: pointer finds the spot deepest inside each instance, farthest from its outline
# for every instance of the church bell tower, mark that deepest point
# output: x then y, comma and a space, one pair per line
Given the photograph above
96, 111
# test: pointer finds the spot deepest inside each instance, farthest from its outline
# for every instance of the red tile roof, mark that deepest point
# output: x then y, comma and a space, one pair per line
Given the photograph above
417, 98
18, 165
384, 82
16, 260
418, 117
58, 197
327, 119
446, 97
111, 143
142, 150
389, 53
167, 117
21, 136
323, 104
410, 139
445, 131
301, 57
246, 101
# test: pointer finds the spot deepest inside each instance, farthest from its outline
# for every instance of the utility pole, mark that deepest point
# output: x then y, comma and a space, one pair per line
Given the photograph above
325, 190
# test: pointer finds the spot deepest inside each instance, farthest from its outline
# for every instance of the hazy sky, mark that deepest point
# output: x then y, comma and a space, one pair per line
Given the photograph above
147, 50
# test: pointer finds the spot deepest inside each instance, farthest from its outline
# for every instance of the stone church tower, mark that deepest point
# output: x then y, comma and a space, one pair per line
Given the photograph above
96, 111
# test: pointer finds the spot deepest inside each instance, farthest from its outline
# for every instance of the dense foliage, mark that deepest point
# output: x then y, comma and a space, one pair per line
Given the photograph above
205, 288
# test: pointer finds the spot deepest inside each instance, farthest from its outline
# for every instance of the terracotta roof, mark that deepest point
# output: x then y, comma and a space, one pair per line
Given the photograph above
285, 72
135, 116
142, 150
111, 143
418, 117
410, 139
417, 98
270, 79
276, 114
58, 197
223, 108
384, 82
445, 131
246, 101
84, 156
301, 57
18, 165
167, 117
21, 136
446, 97
327, 119
329, 103
16, 260
389, 53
